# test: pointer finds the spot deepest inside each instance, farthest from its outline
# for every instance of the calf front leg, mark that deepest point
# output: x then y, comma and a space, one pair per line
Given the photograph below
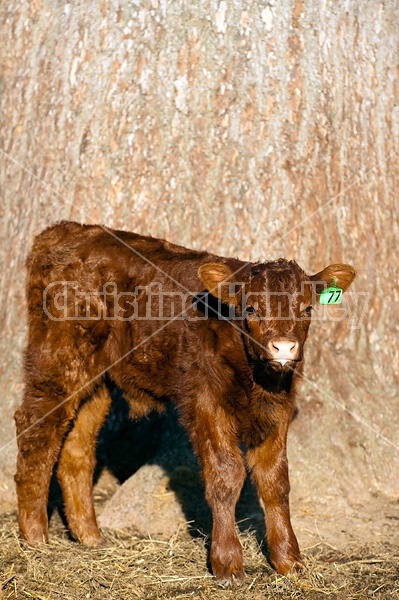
269, 469
224, 474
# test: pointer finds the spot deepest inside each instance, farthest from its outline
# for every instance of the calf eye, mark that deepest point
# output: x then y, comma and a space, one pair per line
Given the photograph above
250, 310
308, 310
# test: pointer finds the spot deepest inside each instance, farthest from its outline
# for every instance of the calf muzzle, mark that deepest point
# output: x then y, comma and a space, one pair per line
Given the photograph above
283, 351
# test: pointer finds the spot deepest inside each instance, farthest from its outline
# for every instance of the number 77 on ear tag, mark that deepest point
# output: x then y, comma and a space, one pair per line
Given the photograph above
331, 295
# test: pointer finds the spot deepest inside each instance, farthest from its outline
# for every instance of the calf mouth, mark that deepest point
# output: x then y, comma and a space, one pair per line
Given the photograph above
279, 364
282, 364
273, 376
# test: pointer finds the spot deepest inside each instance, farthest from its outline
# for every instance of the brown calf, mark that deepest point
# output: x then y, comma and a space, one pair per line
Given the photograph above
220, 337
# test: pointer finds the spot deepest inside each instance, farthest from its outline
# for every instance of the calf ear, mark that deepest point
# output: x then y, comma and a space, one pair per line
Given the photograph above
337, 275
218, 280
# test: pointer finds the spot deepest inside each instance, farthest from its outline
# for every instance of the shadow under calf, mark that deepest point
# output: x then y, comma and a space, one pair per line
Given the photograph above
124, 445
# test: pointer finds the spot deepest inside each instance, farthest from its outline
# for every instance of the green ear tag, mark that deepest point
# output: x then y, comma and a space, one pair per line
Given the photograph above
331, 295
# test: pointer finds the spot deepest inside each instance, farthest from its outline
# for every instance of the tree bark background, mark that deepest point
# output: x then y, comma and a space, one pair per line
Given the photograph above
257, 129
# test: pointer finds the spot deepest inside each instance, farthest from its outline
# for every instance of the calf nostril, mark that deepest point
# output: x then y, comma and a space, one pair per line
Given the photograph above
273, 347
285, 349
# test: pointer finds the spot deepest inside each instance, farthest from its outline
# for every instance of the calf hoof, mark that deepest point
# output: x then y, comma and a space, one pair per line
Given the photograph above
226, 577
34, 536
287, 564
91, 540
227, 574
227, 562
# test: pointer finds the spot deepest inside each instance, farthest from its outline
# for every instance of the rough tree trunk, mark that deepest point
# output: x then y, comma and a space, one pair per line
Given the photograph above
258, 129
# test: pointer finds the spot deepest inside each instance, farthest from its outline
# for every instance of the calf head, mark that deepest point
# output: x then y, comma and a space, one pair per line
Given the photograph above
273, 302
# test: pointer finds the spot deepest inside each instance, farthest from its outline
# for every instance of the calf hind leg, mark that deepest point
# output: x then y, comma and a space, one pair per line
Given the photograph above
76, 467
41, 425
